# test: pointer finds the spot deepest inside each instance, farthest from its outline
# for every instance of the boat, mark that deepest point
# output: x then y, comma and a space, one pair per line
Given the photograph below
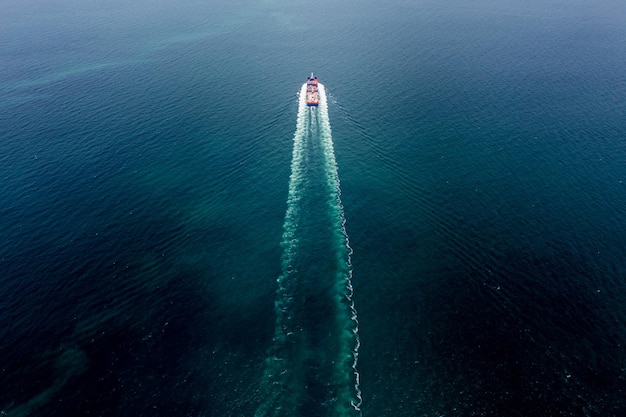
312, 96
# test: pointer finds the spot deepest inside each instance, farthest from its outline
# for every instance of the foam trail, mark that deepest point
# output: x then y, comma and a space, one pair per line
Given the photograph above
310, 367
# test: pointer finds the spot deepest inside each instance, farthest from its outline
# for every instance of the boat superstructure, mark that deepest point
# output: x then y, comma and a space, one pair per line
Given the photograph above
312, 97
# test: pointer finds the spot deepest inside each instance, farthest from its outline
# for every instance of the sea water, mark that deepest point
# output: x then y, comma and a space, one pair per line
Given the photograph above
147, 154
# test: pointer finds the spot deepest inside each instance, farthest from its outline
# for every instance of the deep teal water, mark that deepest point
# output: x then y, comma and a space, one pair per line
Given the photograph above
145, 157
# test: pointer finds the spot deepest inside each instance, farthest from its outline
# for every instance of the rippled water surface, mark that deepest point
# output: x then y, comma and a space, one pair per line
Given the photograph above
147, 161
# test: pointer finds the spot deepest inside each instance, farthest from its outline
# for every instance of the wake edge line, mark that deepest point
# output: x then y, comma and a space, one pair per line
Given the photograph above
334, 185
289, 244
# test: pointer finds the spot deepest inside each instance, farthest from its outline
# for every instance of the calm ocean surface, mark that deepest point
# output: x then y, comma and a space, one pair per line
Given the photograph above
149, 186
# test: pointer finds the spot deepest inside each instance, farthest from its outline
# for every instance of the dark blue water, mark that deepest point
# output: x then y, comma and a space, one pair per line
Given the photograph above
146, 157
